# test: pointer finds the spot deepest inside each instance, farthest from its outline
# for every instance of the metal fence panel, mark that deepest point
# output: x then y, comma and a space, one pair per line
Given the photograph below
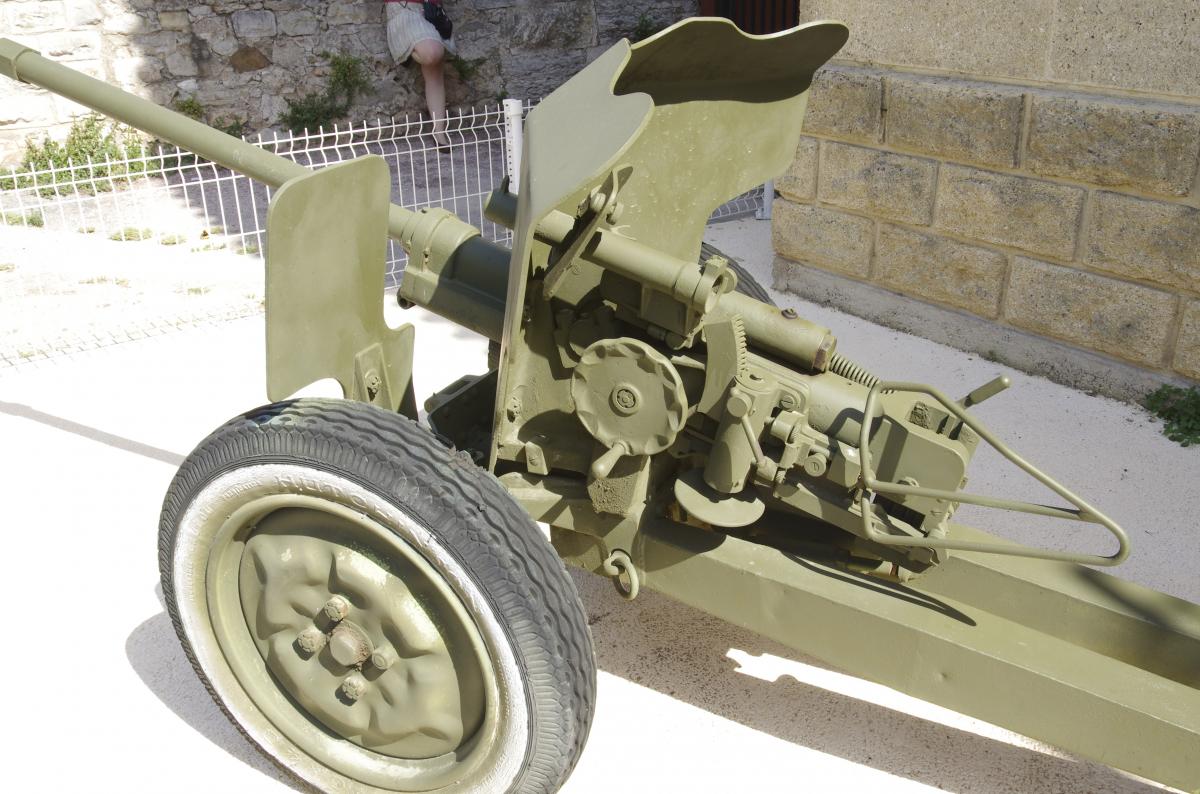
101, 252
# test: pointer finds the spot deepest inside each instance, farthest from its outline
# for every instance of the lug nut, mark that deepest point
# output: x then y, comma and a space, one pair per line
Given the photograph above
354, 686
383, 658
336, 608
312, 640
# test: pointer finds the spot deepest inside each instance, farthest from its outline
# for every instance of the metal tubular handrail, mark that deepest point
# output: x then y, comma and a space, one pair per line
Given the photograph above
1084, 512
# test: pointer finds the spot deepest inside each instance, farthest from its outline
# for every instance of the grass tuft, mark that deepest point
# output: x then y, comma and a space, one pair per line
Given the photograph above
131, 233
1179, 409
32, 218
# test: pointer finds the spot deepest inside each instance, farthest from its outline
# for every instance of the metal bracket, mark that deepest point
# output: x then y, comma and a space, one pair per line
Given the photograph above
599, 206
870, 485
621, 568
370, 378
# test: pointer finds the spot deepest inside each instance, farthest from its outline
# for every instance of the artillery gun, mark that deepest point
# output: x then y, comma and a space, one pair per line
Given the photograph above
369, 598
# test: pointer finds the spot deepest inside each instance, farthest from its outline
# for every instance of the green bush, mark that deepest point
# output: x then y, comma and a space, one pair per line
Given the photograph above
465, 68
644, 29
190, 107
348, 78
31, 218
1180, 411
83, 157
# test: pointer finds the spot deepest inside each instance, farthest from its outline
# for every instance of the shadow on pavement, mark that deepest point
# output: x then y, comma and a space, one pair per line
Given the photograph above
91, 433
682, 652
154, 654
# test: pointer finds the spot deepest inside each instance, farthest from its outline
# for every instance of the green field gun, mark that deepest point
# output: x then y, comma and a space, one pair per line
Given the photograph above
364, 587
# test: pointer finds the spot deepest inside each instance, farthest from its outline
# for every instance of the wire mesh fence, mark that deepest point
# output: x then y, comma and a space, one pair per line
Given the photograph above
96, 253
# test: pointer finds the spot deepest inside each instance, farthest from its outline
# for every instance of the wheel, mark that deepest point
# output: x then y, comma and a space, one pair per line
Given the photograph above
746, 284
373, 611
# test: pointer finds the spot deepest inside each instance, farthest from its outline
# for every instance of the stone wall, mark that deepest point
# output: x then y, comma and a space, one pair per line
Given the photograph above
241, 59
1031, 165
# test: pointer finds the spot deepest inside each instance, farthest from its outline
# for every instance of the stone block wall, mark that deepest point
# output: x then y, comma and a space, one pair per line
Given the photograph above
241, 59
1032, 165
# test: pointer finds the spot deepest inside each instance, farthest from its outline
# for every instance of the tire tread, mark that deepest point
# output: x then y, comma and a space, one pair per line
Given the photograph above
506, 553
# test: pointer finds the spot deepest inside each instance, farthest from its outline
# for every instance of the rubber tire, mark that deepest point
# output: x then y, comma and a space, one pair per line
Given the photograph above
746, 284
471, 516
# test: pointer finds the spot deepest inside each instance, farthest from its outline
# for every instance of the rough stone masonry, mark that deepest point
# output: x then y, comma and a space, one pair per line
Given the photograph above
1024, 176
242, 59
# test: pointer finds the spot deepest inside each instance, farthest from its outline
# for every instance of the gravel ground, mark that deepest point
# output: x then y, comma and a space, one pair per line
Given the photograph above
686, 702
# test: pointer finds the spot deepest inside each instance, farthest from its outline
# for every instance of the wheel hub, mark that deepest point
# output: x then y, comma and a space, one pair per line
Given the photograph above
358, 641
349, 644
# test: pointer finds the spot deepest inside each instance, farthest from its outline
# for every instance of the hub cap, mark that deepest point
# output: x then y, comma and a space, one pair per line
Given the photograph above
319, 608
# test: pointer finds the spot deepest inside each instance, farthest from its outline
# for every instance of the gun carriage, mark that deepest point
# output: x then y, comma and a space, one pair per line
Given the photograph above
369, 598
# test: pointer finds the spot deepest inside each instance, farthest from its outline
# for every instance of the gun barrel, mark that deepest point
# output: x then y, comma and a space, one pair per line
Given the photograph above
29, 66
479, 266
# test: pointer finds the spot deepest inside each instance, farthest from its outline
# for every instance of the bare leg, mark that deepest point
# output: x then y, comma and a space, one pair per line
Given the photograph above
431, 55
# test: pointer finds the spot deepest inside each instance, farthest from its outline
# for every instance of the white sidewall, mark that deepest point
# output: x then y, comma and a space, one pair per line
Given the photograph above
225, 494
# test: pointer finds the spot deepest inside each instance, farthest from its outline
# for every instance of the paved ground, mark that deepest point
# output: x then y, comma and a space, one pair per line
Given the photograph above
101, 699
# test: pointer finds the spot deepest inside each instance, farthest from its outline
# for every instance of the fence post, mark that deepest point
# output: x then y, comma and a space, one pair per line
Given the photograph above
514, 141
768, 198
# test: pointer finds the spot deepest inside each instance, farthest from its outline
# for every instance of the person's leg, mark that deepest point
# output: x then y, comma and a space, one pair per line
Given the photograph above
432, 55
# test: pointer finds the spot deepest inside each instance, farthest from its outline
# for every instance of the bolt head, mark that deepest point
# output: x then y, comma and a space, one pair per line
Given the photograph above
336, 608
353, 687
815, 465
625, 399
738, 404
311, 640
383, 658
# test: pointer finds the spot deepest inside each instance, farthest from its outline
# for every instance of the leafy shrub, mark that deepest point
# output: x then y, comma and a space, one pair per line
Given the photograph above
465, 68
31, 218
1180, 411
644, 29
82, 158
347, 80
190, 107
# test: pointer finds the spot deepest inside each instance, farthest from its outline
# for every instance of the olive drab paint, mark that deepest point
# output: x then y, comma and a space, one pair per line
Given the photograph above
679, 435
